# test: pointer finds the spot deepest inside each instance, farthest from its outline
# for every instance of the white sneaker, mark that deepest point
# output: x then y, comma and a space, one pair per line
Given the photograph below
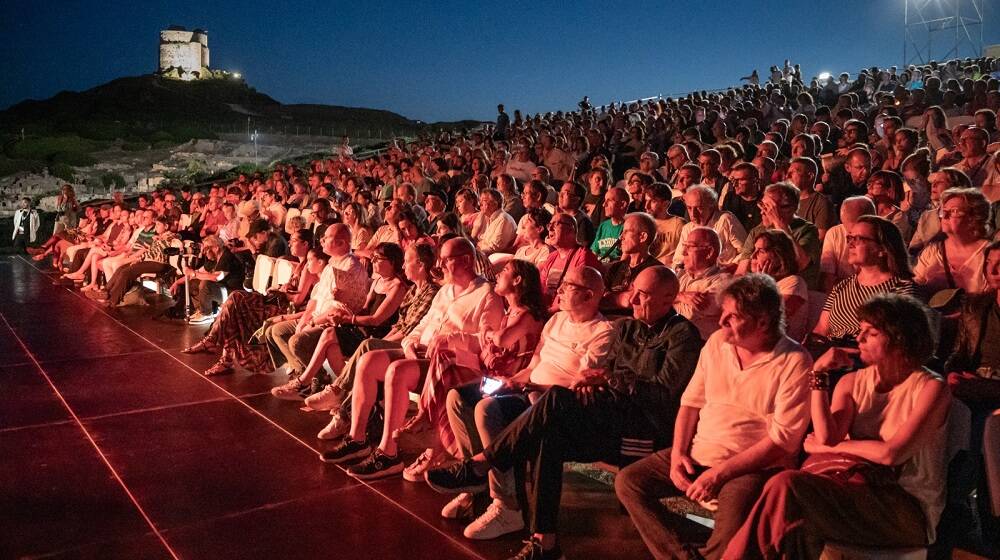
460, 507
497, 520
336, 428
329, 398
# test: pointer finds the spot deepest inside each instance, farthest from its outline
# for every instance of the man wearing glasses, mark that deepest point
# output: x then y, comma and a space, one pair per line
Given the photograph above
613, 411
568, 255
777, 210
701, 280
703, 210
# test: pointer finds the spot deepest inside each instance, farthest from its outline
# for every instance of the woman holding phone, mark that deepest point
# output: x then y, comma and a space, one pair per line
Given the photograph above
504, 352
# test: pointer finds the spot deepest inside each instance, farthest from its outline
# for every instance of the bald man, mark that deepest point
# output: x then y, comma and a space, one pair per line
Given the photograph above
833, 265
617, 412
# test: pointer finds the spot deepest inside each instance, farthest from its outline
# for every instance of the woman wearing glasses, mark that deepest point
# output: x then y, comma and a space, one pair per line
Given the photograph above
875, 248
957, 260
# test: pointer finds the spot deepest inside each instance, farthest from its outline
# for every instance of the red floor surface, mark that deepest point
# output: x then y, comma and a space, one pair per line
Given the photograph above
114, 446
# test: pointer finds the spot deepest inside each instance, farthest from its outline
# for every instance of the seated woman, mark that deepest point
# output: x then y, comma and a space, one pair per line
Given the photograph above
467, 208
153, 259
957, 260
504, 353
103, 248
876, 472
243, 312
349, 330
885, 188
69, 243
410, 232
774, 255
531, 232
974, 377
356, 220
418, 263
875, 247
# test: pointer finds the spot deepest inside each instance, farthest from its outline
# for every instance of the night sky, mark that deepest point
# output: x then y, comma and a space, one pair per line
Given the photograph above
448, 61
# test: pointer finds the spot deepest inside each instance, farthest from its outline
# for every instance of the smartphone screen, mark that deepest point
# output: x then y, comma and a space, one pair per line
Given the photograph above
490, 385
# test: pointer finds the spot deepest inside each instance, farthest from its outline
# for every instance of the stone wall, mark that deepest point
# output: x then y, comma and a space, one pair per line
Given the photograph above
184, 51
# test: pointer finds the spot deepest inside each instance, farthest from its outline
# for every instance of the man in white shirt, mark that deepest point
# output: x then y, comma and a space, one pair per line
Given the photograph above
520, 166
493, 229
574, 344
703, 210
701, 280
342, 286
463, 309
742, 418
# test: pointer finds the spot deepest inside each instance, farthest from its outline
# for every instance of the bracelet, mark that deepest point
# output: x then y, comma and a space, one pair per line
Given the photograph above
353, 316
819, 380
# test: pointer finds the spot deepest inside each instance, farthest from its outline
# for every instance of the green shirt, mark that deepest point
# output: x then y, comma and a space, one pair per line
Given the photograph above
606, 245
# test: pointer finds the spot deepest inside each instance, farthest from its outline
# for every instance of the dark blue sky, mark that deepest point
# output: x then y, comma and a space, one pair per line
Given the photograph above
448, 61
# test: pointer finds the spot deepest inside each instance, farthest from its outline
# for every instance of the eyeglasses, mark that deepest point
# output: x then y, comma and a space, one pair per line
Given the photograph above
959, 214
695, 246
377, 257
552, 225
855, 239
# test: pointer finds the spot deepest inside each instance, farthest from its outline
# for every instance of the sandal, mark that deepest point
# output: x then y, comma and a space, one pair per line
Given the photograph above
202, 347
220, 368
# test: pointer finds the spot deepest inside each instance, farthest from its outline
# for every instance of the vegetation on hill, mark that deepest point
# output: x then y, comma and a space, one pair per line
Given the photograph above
143, 112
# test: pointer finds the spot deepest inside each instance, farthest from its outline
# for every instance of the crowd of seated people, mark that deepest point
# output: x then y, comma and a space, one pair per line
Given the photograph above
701, 291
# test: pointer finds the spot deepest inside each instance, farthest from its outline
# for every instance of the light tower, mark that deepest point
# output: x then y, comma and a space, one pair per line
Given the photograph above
942, 30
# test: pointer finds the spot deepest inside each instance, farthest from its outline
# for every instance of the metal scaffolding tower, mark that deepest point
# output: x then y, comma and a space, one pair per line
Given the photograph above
942, 30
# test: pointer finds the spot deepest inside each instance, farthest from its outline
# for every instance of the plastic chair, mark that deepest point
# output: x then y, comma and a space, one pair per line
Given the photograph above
282, 272
262, 273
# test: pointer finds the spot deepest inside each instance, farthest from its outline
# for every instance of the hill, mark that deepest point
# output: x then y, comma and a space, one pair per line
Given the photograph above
72, 130
149, 102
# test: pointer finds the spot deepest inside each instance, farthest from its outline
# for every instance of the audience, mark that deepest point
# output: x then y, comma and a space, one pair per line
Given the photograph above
851, 185
876, 468
742, 418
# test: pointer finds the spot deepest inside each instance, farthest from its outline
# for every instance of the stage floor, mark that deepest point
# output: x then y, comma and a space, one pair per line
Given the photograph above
114, 446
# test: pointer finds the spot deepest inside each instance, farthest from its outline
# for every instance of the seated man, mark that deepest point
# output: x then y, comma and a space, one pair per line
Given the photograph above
606, 244
567, 255
153, 260
219, 270
637, 235
668, 226
342, 285
612, 413
574, 341
703, 210
742, 417
464, 307
493, 230
701, 281
778, 207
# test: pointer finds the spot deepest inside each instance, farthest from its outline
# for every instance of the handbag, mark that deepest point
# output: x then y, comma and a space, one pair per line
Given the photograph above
850, 469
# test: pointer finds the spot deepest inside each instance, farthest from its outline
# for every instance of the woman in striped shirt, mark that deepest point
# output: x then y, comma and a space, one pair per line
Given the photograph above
875, 247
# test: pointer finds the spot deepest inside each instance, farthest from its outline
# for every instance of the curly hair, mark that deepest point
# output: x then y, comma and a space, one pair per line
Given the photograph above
783, 247
757, 295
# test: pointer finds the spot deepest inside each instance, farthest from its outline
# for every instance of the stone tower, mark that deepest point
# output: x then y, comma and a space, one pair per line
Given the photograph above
184, 54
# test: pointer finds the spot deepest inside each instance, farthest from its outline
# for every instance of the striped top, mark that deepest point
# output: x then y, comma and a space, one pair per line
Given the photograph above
848, 295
